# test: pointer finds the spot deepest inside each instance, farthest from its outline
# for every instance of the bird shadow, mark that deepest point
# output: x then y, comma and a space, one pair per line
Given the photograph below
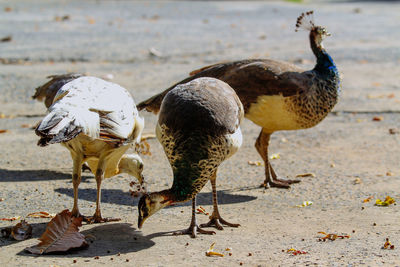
116, 196
35, 175
106, 240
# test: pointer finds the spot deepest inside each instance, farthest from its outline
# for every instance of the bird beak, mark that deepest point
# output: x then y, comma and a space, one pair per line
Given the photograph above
140, 221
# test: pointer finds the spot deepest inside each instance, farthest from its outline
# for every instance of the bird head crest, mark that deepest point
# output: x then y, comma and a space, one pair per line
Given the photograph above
305, 21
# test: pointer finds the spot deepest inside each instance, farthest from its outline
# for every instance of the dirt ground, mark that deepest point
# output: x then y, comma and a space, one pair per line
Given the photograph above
352, 155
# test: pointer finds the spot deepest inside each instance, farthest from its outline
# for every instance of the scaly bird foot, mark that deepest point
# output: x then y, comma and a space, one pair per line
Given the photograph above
98, 219
278, 183
192, 231
217, 222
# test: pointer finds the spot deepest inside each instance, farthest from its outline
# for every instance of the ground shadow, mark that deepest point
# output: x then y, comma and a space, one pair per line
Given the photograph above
35, 175
115, 196
107, 240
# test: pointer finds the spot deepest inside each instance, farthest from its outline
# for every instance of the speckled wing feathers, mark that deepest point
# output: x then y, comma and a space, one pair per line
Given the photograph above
249, 78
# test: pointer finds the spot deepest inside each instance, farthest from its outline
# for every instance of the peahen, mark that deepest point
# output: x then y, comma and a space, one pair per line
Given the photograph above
97, 121
198, 127
276, 95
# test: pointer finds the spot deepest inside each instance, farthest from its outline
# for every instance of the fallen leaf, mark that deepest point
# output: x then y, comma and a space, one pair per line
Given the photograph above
393, 131
389, 173
357, 181
295, 252
376, 84
26, 125
305, 204
7, 9
377, 118
91, 20
1, 199
210, 251
388, 201
367, 199
40, 214
202, 211
3, 131
310, 174
154, 52
10, 219
275, 156
331, 237
255, 163
388, 245
21, 231
6, 39
62, 233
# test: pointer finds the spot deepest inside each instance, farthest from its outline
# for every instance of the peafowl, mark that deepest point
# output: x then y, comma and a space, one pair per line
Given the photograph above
276, 95
97, 121
198, 127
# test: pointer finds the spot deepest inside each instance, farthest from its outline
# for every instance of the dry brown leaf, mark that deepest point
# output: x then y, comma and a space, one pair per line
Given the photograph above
61, 234
255, 163
3, 131
306, 175
1, 199
6, 39
21, 231
389, 173
377, 118
7, 9
40, 214
210, 252
91, 20
10, 219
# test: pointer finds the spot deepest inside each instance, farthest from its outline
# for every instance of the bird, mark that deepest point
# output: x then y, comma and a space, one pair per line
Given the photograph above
198, 127
97, 121
276, 95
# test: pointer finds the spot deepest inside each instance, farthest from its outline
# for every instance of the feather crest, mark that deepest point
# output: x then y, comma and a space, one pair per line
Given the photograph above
305, 21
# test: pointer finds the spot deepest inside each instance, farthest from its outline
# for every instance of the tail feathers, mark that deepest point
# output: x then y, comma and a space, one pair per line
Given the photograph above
153, 103
55, 128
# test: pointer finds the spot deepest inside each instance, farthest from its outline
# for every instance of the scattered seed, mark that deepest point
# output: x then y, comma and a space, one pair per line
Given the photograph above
127, 260
250, 254
230, 254
377, 118
374, 224
96, 258
119, 254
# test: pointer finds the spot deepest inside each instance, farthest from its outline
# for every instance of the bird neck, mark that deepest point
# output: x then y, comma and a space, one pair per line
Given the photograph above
325, 65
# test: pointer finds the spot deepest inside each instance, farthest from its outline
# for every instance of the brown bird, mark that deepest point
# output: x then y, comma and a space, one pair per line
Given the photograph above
198, 127
97, 121
276, 95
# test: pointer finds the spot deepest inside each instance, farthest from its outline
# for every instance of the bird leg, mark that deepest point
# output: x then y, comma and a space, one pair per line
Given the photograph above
271, 179
193, 228
76, 180
97, 215
215, 218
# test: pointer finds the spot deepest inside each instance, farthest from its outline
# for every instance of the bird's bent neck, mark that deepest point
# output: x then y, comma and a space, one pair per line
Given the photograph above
325, 65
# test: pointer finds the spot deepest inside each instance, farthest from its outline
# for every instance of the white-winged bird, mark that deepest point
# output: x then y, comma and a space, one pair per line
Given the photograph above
97, 121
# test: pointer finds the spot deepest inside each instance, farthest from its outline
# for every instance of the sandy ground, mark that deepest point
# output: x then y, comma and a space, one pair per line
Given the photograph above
114, 37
